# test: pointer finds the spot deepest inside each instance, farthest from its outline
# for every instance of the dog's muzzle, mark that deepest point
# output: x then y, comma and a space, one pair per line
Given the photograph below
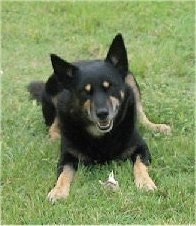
104, 124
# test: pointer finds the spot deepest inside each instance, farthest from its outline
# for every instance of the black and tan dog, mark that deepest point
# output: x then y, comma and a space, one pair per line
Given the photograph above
94, 103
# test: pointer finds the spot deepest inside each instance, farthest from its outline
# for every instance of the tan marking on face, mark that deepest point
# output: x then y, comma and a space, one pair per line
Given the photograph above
122, 94
54, 131
62, 187
87, 106
106, 84
142, 178
115, 102
88, 87
54, 100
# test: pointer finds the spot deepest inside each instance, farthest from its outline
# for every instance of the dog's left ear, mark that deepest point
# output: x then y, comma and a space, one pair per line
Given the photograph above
117, 55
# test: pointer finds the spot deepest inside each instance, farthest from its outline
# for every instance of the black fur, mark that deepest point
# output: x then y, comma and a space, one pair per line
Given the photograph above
36, 89
45, 93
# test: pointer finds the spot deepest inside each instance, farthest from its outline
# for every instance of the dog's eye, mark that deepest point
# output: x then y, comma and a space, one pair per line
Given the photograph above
106, 85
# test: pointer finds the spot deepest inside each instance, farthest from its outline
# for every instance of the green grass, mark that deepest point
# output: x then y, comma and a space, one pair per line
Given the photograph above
160, 41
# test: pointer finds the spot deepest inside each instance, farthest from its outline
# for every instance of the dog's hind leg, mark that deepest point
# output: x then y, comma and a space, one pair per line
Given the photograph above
54, 130
162, 128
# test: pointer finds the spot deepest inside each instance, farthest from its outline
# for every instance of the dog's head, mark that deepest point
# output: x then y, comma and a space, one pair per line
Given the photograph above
97, 85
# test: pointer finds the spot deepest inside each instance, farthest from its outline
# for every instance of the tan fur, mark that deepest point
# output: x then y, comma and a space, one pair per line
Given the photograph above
62, 187
106, 84
55, 100
162, 128
88, 87
54, 130
142, 178
87, 106
122, 94
115, 102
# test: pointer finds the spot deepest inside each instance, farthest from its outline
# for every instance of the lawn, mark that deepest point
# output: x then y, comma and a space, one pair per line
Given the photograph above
160, 42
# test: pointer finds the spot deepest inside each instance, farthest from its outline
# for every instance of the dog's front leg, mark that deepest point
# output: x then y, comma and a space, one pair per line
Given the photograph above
62, 187
141, 159
66, 171
142, 178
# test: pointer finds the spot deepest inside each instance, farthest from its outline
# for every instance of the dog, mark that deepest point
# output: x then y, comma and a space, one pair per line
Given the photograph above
93, 105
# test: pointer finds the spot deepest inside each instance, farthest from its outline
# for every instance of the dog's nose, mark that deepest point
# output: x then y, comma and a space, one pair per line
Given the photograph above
102, 113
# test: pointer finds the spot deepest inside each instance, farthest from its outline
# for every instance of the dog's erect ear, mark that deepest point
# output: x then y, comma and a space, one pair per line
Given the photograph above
62, 69
117, 55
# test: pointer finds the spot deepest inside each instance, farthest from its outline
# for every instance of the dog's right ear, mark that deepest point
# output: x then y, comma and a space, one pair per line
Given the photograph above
62, 69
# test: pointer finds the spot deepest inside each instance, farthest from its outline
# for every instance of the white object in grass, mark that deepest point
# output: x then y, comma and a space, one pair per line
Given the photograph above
111, 182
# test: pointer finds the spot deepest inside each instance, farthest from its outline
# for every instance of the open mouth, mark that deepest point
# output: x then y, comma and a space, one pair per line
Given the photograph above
105, 125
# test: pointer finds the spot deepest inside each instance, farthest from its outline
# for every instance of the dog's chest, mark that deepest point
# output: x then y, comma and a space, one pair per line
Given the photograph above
99, 150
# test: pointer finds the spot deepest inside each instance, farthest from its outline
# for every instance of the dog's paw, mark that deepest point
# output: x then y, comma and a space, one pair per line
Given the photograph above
57, 193
162, 128
145, 183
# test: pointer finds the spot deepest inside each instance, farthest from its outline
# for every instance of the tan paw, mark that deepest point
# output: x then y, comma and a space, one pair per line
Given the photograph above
57, 193
145, 183
162, 128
